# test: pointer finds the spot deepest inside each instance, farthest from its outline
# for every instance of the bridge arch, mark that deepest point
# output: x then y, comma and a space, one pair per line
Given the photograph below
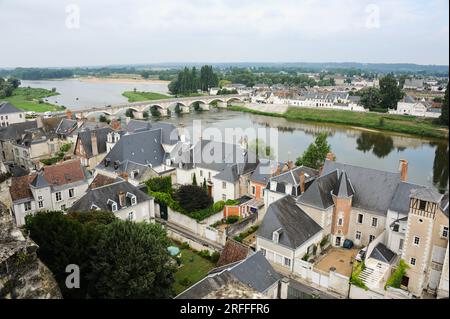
234, 99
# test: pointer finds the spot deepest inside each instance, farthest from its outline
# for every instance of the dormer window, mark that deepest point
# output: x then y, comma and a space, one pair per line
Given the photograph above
132, 198
94, 207
107, 161
276, 235
134, 174
113, 205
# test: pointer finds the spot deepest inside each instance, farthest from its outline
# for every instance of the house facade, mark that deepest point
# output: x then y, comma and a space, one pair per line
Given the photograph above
55, 187
9, 114
126, 201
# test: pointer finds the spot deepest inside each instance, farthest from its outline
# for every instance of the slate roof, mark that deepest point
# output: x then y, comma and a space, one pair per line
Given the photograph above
427, 194
232, 252
85, 137
318, 193
99, 196
296, 226
374, 189
169, 132
15, 131
66, 127
401, 199
8, 108
254, 272
382, 253
136, 151
263, 171
343, 187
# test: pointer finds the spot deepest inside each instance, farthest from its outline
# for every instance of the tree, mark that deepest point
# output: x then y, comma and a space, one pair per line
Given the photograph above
205, 186
192, 198
145, 74
131, 261
390, 92
155, 112
67, 239
370, 98
444, 115
194, 180
316, 153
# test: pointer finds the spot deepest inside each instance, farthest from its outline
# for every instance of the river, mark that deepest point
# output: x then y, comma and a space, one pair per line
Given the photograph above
79, 94
428, 159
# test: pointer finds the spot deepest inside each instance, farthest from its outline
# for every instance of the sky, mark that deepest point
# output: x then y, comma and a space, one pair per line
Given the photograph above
59, 33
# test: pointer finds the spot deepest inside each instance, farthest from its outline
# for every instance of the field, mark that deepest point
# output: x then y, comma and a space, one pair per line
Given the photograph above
32, 99
193, 269
144, 96
377, 121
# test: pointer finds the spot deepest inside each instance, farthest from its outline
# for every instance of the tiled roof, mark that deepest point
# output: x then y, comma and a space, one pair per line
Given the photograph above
64, 173
20, 188
102, 180
232, 252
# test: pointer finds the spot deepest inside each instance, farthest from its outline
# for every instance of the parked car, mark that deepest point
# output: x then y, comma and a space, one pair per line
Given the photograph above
348, 244
361, 254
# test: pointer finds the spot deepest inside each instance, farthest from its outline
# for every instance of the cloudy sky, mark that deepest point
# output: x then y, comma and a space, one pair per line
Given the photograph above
99, 32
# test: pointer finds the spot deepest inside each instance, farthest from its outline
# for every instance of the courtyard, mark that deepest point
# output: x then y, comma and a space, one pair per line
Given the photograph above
337, 258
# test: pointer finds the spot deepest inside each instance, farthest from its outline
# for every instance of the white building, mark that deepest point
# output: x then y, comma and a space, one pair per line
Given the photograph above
409, 106
56, 187
119, 197
9, 114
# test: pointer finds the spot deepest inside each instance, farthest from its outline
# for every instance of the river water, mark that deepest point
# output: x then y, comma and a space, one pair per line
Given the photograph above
428, 159
76, 94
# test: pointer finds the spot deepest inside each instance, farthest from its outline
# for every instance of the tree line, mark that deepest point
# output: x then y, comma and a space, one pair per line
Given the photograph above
190, 81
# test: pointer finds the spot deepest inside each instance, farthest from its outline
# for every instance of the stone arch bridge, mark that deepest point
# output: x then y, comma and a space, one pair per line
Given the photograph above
164, 106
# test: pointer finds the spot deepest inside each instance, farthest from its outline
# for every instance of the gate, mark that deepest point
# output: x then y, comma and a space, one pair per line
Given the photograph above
163, 211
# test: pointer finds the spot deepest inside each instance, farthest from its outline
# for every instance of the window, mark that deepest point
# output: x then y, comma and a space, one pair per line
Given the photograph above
71, 193
416, 241
40, 203
400, 244
340, 221
287, 262
224, 197
360, 218
130, 216
371, 238
422, 205
263, 251
374, 222
444, 232
412, 261
358, 235
27, 206
253, 190
275, 237
201, 173
63, 207
58, 196
224, 185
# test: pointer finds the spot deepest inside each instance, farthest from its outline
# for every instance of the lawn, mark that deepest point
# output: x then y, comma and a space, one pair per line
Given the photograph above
139, 96
194, 268
378, 121
31, 99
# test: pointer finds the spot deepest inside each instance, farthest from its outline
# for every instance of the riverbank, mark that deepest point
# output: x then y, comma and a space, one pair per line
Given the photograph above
144, 96
33, 99
121, 80
374, 121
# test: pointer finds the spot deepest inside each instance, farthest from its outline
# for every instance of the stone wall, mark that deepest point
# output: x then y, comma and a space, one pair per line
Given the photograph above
22, 274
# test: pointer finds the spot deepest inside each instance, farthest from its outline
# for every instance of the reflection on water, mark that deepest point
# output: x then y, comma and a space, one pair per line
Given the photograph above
428, 159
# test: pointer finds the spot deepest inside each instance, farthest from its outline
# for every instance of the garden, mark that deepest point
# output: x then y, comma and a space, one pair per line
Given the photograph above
190, 200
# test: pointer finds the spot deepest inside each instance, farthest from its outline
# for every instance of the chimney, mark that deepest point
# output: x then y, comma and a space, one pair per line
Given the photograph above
94, 143
285, 168
278, 171
122, 199
124, 176
69, 114
290, 165
330, 156
115, 125
403, 168
39, 122
302, 182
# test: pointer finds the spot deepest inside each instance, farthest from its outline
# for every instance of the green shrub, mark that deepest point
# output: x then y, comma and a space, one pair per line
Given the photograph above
232, 220
215, 257
305, 257
395, 280
204, 254
160, 184
324, 241
186, 282
185, 245
354, 278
